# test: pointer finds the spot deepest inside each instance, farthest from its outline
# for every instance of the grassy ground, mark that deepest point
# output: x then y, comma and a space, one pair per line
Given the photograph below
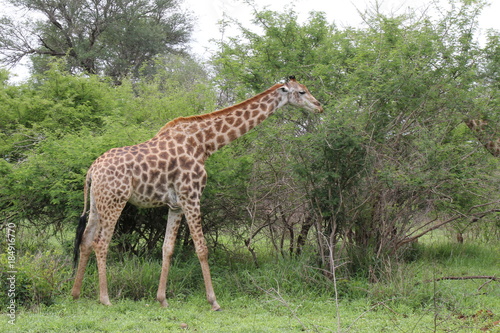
246, 314
283, 296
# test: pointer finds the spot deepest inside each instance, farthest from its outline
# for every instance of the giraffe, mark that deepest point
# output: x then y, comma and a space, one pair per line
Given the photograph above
169, 169
485, 135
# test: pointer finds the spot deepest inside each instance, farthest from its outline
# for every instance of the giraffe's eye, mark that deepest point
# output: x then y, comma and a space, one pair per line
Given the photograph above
302, 92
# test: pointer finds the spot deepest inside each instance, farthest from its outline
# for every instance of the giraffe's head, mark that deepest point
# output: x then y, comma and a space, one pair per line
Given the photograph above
298, 95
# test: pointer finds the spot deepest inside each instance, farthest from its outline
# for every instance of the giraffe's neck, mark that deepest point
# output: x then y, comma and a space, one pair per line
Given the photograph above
207, 133
485, 135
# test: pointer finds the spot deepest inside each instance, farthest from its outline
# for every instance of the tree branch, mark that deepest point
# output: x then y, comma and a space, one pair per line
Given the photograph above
473, 277
475, 217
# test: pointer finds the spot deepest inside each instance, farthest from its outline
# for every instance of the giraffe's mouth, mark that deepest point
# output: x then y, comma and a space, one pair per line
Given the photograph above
315, 107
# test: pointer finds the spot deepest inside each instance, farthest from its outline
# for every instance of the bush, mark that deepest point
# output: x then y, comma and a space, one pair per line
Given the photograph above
39, 278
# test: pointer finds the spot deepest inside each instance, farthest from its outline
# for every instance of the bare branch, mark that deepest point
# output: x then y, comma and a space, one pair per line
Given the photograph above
474, 277
15, 41
474, 216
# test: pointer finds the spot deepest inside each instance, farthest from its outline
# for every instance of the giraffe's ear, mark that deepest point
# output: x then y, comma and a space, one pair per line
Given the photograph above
284, 88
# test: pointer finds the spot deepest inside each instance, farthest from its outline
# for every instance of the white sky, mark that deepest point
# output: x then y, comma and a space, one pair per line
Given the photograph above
341, 12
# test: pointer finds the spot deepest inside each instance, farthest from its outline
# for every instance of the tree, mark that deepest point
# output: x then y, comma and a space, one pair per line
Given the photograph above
278, 205
107, 37
391, 158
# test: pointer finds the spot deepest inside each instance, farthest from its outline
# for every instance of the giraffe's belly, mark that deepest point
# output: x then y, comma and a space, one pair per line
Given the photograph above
150, 197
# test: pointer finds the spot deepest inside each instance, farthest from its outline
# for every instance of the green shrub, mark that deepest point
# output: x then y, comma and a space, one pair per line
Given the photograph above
39, 278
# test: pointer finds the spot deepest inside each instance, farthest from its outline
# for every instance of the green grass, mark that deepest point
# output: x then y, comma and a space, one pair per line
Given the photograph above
282, 295
245, 314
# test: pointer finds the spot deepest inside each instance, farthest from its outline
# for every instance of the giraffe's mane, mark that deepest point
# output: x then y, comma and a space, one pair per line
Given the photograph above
217, 113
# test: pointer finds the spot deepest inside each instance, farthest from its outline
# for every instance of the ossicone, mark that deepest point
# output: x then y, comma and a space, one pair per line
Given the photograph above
291, 77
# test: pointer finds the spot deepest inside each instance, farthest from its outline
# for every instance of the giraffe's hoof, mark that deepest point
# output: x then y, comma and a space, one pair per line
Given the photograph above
216, 307
163, 300
106, 302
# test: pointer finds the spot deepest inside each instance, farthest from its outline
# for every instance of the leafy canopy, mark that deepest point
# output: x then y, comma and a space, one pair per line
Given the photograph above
114, 38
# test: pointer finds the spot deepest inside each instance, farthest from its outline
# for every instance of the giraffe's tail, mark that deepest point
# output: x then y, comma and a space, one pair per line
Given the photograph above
78, 239
82, 224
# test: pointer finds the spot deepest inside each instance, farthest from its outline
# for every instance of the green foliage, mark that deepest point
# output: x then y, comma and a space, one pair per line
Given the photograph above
332, 165
391, 152
254, 62
39, 278
229, 172
492, 57
53, 104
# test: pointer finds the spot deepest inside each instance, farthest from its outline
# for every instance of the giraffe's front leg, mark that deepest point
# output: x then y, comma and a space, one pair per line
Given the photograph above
173, 223
194, 222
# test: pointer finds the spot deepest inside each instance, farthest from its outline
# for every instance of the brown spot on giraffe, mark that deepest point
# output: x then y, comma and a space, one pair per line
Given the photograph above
209, 134
232, 135
218, 125
169, 170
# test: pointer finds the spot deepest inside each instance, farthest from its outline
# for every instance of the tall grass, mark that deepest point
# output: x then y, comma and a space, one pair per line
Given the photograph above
283, 286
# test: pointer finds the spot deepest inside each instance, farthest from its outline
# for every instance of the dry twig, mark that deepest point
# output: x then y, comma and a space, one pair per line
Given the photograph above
474, 277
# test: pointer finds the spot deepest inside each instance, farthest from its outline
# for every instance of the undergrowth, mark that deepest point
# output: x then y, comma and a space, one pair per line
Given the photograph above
44, 281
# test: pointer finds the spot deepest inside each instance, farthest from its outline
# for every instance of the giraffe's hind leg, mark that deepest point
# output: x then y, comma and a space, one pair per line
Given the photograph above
194, 222
85, 248
108, 219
